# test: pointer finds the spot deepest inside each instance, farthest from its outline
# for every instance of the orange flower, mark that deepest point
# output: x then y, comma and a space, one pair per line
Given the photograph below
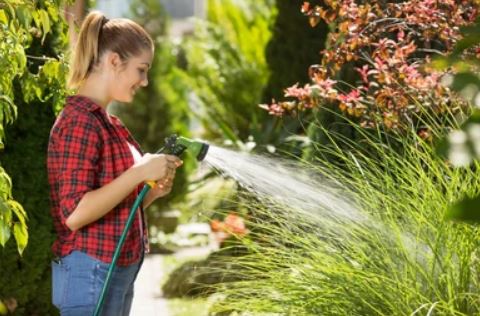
235, 224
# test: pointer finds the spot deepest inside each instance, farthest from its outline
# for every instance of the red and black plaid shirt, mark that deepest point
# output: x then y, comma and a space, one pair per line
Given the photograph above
88, 148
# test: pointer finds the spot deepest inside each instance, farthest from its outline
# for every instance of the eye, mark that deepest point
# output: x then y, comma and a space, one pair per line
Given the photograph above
142, 70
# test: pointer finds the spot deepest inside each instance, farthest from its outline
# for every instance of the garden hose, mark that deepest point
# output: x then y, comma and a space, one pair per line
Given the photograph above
173, 146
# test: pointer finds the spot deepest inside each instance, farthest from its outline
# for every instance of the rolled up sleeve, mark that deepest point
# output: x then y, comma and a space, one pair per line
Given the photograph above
77, 152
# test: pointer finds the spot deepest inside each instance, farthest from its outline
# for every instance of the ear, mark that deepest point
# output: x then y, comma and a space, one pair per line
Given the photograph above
113, 60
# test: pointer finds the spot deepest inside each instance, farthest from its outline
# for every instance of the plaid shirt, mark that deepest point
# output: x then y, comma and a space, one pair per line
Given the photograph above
89, 148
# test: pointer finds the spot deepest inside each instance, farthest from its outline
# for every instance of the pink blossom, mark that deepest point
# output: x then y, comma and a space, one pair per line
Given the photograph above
296, 92
352, 96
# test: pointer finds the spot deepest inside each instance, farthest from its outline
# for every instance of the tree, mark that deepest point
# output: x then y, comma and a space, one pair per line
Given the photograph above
32, 89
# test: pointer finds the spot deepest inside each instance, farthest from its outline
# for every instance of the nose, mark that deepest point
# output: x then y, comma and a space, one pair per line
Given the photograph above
144, 81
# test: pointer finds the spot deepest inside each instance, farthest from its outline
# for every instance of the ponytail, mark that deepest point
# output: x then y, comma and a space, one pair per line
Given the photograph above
97, 35
86, 50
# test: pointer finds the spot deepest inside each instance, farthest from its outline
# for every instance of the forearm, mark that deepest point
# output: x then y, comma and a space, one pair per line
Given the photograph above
95, 204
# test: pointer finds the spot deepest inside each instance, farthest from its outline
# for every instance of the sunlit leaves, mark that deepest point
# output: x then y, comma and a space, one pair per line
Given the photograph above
12, 215
21, 23
389, 45
21, 236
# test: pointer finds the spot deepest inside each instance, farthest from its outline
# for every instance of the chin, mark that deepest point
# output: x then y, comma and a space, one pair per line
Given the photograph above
126, 99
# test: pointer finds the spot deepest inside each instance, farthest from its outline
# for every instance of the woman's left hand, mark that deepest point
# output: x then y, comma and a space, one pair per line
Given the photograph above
162, 187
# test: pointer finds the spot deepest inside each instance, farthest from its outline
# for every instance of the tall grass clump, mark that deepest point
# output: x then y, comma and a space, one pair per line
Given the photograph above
403, 258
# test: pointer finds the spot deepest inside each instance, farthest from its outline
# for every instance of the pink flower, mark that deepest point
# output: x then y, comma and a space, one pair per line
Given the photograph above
363, 73
352, 97
326, 84
273, 109
296, 92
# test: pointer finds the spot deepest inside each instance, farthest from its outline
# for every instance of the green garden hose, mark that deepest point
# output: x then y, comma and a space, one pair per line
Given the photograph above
116, 254
174, 146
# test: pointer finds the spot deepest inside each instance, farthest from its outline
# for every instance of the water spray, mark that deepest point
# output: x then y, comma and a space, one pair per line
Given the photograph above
174, 145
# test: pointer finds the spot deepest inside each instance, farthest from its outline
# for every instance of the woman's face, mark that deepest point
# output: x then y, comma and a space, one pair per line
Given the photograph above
131, 76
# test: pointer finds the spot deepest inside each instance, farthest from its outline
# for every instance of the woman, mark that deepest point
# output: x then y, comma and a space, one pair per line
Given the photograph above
96, 170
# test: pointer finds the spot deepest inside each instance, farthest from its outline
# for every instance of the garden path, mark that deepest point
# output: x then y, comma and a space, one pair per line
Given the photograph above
148, 299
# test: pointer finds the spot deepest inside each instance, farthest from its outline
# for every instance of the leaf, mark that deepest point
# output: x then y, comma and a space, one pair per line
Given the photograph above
53, 12
45, 23
314, 20
21, 236
3, 17
4, 232
5, 185
5, 213
51, 70
7, 107
36, 18
21, 58
17, 208
466, 210
24, 17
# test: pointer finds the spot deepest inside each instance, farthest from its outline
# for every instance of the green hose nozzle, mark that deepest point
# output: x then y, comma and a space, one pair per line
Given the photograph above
175, 145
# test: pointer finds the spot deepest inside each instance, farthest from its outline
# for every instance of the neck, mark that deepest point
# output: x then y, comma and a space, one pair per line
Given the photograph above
94, 87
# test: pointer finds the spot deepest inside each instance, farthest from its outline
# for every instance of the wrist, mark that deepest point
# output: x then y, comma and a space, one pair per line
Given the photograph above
138, 173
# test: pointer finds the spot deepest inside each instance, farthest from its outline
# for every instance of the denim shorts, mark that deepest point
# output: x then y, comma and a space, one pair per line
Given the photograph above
77, 281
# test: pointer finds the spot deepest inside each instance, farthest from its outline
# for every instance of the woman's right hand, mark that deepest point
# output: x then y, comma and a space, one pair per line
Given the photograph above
158, 166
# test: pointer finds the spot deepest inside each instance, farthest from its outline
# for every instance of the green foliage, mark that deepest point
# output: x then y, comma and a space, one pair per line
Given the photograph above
403, 259
293, 47
27, 279
33, 38
375, 66
23, 23
228, 71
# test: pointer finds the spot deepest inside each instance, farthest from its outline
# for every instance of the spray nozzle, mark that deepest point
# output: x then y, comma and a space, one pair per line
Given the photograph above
176, 145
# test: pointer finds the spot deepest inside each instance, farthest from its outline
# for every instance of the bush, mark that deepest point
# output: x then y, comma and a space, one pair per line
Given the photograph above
34, 38
27, 278
402, 258
227, 70
375, 67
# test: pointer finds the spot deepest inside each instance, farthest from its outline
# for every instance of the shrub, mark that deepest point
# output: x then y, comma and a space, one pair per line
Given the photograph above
227, 69
403, 259
375, 67
33, 39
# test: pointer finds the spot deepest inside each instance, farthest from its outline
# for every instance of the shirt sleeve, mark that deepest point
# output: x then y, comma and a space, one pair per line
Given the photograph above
78, 156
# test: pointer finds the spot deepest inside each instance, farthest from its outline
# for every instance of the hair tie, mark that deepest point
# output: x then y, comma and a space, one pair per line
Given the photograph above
104, 20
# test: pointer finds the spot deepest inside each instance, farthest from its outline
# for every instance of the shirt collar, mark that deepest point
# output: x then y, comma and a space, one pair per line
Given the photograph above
84, 102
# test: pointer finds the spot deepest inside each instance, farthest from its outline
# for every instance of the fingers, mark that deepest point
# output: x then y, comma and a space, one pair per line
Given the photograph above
174, 160
173, 163
159, 166
165, 186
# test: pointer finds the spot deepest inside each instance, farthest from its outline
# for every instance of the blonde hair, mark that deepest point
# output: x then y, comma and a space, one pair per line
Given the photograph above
98, 35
